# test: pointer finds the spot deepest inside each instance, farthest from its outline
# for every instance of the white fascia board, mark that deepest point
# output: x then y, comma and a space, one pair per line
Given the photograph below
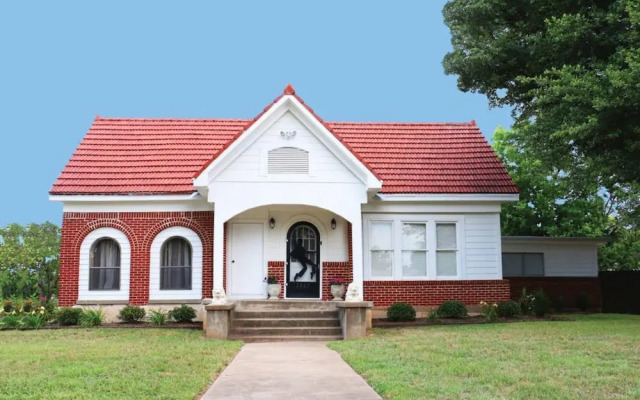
288, 103
458, 197
598, 241
120, 198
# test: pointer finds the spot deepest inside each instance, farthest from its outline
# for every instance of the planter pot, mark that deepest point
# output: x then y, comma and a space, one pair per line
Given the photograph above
274, 291
337, 291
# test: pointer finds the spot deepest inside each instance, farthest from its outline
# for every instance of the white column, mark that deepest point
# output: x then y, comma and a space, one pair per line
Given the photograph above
356, 249
218, 251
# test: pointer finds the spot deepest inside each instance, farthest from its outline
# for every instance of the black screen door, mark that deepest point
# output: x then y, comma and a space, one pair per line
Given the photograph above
303, 261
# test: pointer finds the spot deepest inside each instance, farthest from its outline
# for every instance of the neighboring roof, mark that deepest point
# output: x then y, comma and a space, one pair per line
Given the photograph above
161, 156
559, 239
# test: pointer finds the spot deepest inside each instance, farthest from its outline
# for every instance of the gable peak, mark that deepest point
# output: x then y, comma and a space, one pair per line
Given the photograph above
289, 90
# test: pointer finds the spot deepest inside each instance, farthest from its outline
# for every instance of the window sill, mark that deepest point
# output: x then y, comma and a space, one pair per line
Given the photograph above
177, 301
101, 302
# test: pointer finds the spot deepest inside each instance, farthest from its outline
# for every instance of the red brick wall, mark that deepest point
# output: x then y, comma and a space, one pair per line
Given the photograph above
567, 287
330, 270
276, 268
141, 228
433, 293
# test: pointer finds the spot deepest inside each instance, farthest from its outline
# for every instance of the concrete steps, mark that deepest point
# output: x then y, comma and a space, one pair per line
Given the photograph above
269, 321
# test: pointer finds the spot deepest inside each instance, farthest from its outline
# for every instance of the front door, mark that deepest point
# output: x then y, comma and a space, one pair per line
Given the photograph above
303, 262
245, 262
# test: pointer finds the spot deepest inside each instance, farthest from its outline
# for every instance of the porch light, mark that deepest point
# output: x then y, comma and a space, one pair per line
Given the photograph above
272, 223
333, 223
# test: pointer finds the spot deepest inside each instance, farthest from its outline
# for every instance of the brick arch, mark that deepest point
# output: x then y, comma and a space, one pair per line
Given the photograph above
204, 234
104, 223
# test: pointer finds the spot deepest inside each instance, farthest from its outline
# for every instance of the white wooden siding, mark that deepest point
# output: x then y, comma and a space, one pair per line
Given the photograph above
482, 246
560, 258
252, 164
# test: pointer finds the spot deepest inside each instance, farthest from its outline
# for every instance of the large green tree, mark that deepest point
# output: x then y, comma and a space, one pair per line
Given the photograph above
575, 200
29, 260
570, 69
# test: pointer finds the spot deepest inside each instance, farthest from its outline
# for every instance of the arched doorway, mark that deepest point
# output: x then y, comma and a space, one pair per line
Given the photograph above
303, 268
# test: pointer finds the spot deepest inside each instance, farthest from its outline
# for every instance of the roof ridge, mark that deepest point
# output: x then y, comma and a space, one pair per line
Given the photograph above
401, 123
99, 118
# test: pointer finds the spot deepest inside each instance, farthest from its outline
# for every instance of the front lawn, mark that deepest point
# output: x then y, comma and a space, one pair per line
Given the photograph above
594, 357
109, 363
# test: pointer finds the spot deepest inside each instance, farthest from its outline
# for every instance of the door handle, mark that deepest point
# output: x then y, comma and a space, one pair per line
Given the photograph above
233, 261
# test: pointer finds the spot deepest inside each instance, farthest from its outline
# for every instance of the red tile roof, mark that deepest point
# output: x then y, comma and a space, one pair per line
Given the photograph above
161, 156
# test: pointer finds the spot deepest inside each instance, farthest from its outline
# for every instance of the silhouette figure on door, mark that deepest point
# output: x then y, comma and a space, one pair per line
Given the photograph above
300, 254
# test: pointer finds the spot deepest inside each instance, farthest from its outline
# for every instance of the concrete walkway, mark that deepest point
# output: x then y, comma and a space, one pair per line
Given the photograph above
289, 370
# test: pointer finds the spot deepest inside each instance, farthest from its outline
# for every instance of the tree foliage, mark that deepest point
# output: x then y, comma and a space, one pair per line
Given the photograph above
575, 200
29, 260
570, 69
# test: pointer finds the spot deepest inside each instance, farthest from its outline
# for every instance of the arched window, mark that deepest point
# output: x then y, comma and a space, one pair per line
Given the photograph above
175, 265
104, 267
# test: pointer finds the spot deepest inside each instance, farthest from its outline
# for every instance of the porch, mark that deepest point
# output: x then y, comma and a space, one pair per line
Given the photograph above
301, 246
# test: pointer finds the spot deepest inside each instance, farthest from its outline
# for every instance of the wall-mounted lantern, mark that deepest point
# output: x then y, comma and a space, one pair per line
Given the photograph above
272, 223
333, 223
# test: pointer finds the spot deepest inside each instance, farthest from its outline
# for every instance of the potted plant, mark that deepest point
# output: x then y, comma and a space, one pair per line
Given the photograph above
273, 287
337, 288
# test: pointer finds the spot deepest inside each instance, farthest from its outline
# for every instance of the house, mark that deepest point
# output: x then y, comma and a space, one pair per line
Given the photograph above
163, 211
564, 267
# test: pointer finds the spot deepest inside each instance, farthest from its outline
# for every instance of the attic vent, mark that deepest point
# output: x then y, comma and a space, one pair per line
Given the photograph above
288, 160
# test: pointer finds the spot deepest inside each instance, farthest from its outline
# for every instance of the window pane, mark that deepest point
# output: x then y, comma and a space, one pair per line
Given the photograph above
446, 263
104, 279
381, 263
446, 236
414, 263
176, 252
511, 264
414, 236
106, 253
381, 236
533, 264
175, 278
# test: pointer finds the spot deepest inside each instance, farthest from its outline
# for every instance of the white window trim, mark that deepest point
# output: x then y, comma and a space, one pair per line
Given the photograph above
196, 265
84, 294
430, 219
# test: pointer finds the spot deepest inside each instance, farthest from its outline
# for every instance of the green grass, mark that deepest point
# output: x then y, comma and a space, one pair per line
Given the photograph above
594, 357
109, 363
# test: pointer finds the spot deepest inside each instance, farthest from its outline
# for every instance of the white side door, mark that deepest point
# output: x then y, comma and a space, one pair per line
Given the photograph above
246, 272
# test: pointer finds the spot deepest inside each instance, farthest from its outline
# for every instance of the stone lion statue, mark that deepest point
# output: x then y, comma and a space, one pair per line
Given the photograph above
219, 296
353, 292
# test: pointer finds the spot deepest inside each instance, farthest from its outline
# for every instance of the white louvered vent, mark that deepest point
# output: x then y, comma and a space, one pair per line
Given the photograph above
288, 160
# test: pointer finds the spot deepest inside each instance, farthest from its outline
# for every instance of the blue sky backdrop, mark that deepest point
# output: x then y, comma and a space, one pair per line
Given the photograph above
61, 63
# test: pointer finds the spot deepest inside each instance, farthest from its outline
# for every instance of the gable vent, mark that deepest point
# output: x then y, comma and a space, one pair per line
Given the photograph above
288, 160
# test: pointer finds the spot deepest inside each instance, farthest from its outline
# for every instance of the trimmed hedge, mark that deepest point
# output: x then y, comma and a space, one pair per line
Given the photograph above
508, 309
130, 314
401, 312
452, 309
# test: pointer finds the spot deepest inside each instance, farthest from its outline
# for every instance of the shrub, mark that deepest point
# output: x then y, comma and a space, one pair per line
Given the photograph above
158, 317
10, 322
508, 309
92, 318
130, 314
489, 311
433, 316
7, 306
27, 306
68, 315
526, 302
183, 313
558, 303
541, 304
33, 321
583, 302
401, 312
452, 309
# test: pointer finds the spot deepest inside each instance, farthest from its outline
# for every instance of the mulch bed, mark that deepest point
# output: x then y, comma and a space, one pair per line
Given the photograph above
140, 325
384, 323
